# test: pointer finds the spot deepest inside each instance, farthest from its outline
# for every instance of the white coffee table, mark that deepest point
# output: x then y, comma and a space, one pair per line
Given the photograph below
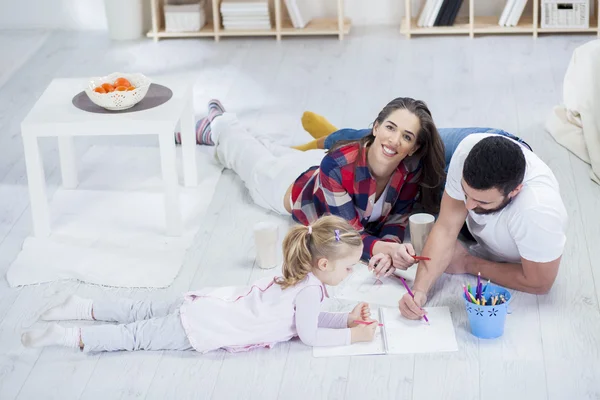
55, 115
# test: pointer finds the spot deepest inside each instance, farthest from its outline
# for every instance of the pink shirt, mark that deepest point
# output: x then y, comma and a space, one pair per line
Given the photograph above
239, 319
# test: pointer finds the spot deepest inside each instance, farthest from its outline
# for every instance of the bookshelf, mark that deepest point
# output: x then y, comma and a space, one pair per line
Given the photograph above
337, 26
484, 25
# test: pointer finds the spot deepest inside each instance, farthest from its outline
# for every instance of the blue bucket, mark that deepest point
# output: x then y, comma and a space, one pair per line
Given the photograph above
487, 322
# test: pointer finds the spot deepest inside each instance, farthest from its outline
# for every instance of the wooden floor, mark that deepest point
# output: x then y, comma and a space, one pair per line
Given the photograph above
551, 347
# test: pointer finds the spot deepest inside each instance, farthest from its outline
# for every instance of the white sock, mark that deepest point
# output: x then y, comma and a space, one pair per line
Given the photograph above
54, 335
74, 307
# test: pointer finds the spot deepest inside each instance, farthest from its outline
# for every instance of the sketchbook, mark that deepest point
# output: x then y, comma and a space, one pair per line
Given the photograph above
399, 335
362, 285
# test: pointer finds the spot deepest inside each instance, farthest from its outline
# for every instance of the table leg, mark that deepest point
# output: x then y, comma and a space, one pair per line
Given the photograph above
188, 145
37, 186
68, 166
169, 174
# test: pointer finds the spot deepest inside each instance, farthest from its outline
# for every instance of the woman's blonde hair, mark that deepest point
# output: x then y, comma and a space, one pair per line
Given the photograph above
304, 245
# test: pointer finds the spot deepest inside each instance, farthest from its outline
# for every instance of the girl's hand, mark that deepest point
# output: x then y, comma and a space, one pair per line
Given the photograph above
402, 257
382, 265
363, 333
361, 312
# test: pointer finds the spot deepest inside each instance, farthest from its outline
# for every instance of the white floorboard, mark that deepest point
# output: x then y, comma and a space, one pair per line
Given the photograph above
551, 347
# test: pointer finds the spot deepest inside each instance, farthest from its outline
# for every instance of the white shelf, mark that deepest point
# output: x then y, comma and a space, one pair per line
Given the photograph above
337, 26
472, 24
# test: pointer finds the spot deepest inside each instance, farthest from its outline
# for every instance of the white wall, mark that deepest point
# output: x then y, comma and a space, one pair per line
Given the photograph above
89, 14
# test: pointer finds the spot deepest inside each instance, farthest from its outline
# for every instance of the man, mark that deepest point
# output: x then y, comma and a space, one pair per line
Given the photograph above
512, 205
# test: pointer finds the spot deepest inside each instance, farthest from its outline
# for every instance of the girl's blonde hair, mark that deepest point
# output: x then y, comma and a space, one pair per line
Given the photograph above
304, 245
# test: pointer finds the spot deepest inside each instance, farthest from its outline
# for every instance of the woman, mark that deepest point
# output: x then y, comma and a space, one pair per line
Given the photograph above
372, 182
327, 135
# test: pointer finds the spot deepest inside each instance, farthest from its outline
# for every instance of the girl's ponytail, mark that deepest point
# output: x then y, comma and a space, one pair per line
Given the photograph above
304, 245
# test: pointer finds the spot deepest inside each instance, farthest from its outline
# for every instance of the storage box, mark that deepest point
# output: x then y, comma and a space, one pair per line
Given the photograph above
184, 16
565, 14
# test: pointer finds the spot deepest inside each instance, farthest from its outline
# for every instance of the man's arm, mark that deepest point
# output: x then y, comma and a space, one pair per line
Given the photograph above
529, 276
440, 248
440, 243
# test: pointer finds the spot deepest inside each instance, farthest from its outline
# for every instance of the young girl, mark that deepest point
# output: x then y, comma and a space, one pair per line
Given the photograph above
271, 310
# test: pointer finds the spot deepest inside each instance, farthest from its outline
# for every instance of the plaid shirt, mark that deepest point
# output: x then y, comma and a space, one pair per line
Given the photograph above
342, 185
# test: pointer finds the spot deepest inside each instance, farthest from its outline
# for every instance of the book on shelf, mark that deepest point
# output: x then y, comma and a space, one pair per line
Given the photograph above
512, 12
245, 14
300, 12
439, 13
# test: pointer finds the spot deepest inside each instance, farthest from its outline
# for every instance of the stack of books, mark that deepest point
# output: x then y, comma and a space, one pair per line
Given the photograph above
512, 12
245, 15
439, 13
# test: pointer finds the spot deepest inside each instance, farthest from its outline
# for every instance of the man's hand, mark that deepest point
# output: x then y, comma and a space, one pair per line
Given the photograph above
411, 308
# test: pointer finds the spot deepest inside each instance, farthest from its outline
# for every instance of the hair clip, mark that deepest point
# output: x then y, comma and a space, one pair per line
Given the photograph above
337, 235
309, 229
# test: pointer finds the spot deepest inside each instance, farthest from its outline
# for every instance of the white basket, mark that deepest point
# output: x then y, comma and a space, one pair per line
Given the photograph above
566, 14
118, 100
183, 16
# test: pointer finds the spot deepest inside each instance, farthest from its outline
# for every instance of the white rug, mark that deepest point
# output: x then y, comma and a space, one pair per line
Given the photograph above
111, 229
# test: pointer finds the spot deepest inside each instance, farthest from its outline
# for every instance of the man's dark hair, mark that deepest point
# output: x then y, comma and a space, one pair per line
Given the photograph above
495, 162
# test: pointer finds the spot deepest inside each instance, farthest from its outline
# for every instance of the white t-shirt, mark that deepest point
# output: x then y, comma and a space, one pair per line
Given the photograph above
532, 226
378, 206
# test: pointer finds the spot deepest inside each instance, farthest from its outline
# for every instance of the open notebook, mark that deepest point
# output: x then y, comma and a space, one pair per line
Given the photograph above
402, 336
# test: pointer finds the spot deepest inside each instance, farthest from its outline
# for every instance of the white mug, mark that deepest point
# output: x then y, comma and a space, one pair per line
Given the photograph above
420, 227
266, 235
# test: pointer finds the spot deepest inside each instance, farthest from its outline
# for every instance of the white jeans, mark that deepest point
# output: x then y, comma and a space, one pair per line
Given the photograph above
266, 168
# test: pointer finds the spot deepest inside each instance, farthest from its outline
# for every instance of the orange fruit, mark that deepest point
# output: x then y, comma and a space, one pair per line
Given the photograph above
122, 82
130, 88
108, 87
121, 88
99, 89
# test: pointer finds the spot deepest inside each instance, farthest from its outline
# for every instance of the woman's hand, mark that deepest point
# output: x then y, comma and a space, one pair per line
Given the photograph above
402, 256
361, 312
382, 265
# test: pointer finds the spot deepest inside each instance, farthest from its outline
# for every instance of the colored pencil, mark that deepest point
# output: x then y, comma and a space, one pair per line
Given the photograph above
473, 299
357, 321
411, 294
486, 285
478, 292
421, 258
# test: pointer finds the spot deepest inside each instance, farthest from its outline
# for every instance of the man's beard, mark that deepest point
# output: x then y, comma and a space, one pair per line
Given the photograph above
483, 211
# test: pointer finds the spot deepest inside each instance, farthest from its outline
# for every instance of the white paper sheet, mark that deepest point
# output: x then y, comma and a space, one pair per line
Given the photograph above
363, 286
407, 336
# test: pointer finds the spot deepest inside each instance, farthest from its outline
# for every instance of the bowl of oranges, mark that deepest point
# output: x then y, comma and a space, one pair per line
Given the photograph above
118, 91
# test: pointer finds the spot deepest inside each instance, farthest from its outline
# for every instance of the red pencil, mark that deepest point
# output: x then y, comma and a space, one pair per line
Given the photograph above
357, 321
421, 258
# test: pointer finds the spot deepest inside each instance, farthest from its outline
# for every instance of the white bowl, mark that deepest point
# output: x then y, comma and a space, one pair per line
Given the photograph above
118, 100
